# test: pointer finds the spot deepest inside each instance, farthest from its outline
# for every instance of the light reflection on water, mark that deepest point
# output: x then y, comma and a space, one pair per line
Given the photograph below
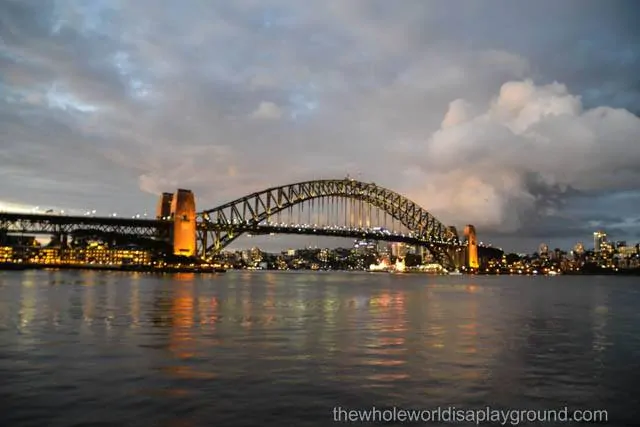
111, 347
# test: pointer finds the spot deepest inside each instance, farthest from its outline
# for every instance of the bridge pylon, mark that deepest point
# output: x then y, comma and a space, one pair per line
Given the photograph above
180, 208
472, 246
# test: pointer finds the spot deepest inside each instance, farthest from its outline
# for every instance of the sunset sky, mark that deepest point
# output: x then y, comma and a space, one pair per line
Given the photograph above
518, 117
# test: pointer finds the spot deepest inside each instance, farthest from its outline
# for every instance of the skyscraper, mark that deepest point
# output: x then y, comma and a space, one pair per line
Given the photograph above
543, 250
599, 237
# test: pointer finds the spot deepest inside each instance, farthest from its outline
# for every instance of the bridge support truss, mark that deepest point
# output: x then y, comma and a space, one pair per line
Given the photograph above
58, 225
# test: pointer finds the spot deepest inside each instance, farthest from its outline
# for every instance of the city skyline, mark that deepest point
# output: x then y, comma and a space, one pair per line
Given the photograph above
519, 119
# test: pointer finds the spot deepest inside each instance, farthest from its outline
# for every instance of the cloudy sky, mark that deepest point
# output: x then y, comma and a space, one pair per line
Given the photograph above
518, 117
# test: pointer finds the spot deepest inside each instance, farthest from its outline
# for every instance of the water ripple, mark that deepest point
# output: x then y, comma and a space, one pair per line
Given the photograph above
105, 348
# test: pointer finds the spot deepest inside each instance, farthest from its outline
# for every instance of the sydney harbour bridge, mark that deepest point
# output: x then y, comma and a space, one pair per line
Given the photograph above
329, 207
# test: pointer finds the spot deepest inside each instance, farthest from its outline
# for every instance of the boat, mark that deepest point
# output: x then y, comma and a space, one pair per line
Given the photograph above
455, 272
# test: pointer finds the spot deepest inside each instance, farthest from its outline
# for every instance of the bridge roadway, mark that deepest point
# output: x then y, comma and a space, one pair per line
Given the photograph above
60, 224
28, 223
345, 232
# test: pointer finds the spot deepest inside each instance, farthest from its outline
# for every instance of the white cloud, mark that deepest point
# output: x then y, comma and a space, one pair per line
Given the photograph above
267, 111
496, 168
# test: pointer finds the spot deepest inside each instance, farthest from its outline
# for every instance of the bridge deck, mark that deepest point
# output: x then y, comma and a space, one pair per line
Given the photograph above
88, 220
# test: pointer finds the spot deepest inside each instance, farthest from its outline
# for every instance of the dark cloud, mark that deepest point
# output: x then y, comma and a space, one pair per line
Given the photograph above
105, 103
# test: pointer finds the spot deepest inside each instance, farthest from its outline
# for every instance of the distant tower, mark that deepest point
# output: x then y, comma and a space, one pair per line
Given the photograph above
183, 213
164, 206
543, 250
472, 247
599, 237
578, 248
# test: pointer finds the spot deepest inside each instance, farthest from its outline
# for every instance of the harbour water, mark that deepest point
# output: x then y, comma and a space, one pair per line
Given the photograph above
285, 349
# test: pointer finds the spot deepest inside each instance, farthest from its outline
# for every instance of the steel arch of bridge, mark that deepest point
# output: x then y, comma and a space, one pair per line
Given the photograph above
220, 226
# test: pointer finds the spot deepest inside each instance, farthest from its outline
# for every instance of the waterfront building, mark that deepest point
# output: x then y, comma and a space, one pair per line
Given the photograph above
6, 254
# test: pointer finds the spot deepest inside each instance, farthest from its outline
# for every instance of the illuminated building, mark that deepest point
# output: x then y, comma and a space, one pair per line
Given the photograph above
606, 248
131, 255
398, 250
47, 256
599, 237
414, 250
183, 213
365, 246
95, 253
6, 254
324, 255
543, 250
472, 246
100, 254
578, 248
255, 256
164, 206
384, 248
627, 250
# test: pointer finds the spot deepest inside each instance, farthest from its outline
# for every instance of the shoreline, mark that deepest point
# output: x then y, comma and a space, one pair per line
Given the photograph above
210, 270
125, 268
